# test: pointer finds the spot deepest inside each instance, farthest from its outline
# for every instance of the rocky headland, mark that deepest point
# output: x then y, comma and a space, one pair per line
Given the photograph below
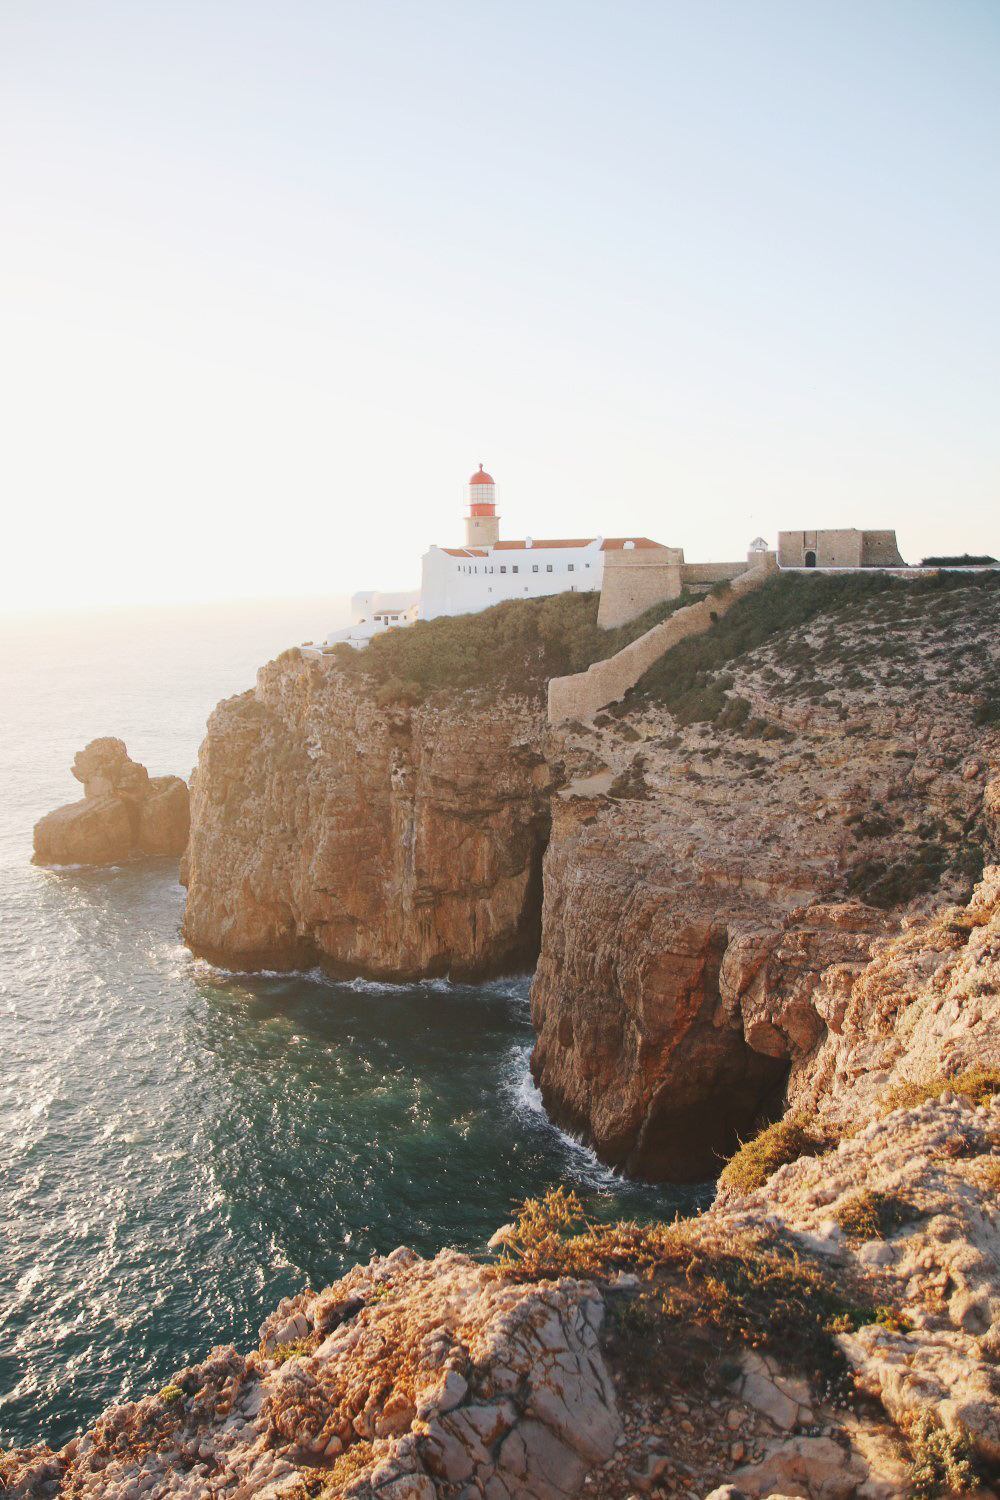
702, 876
762, 888
393, 841
124, 812
832, 1333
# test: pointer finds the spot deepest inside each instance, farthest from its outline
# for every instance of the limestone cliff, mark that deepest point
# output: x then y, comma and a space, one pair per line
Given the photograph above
124, 812
728, 855
390, 840
725, 853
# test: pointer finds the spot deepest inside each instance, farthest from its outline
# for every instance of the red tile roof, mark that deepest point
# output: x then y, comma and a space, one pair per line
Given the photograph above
609, 544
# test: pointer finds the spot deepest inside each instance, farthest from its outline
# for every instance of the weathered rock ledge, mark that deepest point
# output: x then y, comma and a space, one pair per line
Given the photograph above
440, 1380
124, 812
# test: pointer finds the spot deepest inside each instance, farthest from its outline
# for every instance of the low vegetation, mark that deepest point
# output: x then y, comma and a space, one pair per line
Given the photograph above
516, 646
691, 679
868, 1215
701, 1298
317, 1482
295, 1349
977, 1085
773, 1147
941, 1462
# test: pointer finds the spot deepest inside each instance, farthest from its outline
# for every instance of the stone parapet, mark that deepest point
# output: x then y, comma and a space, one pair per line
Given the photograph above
585, 693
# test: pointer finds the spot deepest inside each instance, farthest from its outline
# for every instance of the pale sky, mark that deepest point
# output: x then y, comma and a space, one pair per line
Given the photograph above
277, 277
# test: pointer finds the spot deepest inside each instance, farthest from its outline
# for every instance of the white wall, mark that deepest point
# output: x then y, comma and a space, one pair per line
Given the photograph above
465, 585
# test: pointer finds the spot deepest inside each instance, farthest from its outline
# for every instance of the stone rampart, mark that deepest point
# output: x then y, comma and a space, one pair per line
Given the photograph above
635, 580
585, 693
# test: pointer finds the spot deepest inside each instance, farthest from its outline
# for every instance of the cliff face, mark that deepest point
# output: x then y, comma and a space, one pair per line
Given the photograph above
714, 897
387, 841
724, 862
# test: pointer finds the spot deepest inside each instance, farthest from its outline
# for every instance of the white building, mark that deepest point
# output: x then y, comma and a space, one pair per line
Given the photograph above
373, 612
465, 580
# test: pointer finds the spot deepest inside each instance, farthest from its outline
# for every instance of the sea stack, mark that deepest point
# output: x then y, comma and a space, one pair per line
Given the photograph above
124, 812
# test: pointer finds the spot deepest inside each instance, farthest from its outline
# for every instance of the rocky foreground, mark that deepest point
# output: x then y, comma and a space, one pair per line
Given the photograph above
124, 812
834, 1333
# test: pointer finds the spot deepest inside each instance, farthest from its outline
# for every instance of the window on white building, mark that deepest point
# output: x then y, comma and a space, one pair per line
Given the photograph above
513, 567
548, 567
502, 568
570, 567
534, 567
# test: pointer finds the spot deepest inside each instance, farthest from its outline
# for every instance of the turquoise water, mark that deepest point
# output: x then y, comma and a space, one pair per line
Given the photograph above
179, 1148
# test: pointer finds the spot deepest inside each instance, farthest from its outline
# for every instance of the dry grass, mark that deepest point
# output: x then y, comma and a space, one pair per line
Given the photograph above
759, 1158
978, 1085
868, 1215
703, 1295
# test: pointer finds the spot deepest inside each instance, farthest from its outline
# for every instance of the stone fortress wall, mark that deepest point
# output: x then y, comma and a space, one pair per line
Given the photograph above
584, 693
635, 580
847, 548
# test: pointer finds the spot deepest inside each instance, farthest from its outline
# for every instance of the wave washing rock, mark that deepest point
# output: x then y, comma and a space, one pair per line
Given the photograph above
387, 841
125, 812
440, 1380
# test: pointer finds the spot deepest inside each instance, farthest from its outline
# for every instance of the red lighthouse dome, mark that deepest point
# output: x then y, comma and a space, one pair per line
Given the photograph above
482, 524
482, 494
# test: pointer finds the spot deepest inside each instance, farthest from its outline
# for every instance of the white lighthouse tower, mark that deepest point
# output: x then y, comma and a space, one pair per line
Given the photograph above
482, 524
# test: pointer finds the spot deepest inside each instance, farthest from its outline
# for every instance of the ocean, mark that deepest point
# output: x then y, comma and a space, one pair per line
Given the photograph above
181, 1147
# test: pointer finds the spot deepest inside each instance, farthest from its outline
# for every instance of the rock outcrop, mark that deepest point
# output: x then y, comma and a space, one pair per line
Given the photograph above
407, 1380
124, 812
713, 898
716, 881
449, 1380
381, 840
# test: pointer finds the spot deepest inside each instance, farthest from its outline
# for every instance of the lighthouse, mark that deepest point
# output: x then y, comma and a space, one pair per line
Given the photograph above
482, 524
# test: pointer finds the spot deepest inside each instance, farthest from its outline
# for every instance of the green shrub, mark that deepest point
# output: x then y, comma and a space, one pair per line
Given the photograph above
517, 645
171, 1393
941, 1463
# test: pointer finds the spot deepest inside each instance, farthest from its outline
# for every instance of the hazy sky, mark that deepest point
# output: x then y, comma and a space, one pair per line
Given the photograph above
276, 278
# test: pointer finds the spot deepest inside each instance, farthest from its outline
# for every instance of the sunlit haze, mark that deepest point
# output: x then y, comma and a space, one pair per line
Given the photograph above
277, 278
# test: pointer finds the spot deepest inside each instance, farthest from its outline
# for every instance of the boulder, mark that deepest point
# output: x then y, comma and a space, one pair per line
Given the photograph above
97, 831
124, 812
164, 816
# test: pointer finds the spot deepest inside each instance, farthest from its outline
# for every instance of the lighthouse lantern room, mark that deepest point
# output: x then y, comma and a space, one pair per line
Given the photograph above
482, 524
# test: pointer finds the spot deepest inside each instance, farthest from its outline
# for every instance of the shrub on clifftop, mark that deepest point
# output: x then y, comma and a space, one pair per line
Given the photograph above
517, 645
